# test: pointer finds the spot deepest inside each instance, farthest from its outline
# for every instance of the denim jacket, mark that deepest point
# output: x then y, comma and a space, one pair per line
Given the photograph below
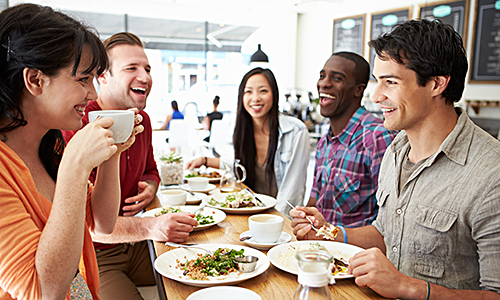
290, 162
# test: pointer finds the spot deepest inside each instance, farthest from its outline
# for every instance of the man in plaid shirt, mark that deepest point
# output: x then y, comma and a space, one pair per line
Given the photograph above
348, 157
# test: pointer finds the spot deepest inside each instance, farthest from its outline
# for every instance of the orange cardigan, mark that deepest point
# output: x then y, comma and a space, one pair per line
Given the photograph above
23, 215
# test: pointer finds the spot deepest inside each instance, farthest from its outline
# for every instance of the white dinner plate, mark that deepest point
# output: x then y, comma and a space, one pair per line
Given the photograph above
267, 200
194, 199
284, 238
208, 170
224, 293
206, 190
166, 264
283, 256
218, 215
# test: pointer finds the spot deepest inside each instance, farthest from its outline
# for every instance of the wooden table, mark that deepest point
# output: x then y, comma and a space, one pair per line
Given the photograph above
273, 284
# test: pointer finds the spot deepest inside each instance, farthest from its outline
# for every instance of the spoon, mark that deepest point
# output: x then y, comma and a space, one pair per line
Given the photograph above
245, 238
312, 224
170, 244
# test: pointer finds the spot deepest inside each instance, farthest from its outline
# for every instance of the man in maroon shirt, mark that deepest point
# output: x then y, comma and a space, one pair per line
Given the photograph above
123, 256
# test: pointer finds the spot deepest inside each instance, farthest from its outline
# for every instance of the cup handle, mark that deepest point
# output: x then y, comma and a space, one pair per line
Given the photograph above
244, 171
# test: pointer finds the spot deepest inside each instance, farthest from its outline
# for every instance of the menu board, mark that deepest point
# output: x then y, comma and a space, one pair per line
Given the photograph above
382, 22
348, 34
485, 65
451, 12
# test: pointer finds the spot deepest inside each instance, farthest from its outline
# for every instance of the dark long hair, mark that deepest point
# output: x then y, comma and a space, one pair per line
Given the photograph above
243, 140
37, 37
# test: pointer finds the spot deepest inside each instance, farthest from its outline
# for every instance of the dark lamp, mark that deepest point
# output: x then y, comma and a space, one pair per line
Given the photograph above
259, 56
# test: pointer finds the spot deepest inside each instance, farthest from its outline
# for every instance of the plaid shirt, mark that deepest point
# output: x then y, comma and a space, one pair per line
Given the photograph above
346, 170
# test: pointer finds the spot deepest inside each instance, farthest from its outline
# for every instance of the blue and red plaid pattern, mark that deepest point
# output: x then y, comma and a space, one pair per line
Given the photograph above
346, 170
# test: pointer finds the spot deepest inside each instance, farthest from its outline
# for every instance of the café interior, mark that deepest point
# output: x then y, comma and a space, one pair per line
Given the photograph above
200, 49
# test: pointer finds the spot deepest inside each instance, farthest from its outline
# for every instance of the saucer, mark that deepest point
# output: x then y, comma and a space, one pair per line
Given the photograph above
284, 238
206, 190
194, 200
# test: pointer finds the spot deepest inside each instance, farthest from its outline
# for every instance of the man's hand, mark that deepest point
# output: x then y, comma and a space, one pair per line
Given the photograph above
301, 226
138, 128
372, 269
146, 194
173, 227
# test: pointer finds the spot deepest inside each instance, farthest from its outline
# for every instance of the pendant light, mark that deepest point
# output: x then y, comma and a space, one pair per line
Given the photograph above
259, 56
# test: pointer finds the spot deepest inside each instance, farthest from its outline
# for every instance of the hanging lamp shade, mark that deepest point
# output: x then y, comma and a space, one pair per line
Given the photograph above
259, 56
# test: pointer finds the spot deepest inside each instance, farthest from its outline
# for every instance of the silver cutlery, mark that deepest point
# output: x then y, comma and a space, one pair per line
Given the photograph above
170, 244
200, 208
253, 194
312, 224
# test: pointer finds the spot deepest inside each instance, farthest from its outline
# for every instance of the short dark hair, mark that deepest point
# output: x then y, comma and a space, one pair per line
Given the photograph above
361, 70
216, 100
429, 48
121, 38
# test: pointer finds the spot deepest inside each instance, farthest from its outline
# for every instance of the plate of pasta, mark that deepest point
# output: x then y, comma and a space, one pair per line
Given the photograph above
181, 265
283, 256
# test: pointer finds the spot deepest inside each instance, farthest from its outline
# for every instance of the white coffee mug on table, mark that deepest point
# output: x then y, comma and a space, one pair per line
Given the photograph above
124, 122
265, 228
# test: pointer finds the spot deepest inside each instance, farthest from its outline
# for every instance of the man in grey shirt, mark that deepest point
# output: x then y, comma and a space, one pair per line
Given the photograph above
437, 235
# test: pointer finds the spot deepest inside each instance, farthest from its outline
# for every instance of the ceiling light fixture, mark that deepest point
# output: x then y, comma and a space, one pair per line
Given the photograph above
259, 56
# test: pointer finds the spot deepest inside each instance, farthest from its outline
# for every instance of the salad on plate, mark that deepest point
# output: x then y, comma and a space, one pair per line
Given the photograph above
239, 199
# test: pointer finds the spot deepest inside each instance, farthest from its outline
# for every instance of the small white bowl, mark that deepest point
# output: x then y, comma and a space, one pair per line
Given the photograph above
197, 183
173, 197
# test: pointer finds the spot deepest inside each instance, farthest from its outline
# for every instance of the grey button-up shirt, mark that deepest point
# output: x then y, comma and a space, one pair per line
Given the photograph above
443, 226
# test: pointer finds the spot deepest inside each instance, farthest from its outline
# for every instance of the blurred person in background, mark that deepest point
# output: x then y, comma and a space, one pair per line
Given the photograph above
215, 115
123, 255
175, 115
47, 65
273, 148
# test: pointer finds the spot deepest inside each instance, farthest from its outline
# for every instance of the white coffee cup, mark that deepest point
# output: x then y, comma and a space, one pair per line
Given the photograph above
265, 228
124, 122
173, 197
198, 183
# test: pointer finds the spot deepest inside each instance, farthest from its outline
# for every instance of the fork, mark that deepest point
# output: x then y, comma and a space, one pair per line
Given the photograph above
200, 208
170, 244
312, 224
252, 193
